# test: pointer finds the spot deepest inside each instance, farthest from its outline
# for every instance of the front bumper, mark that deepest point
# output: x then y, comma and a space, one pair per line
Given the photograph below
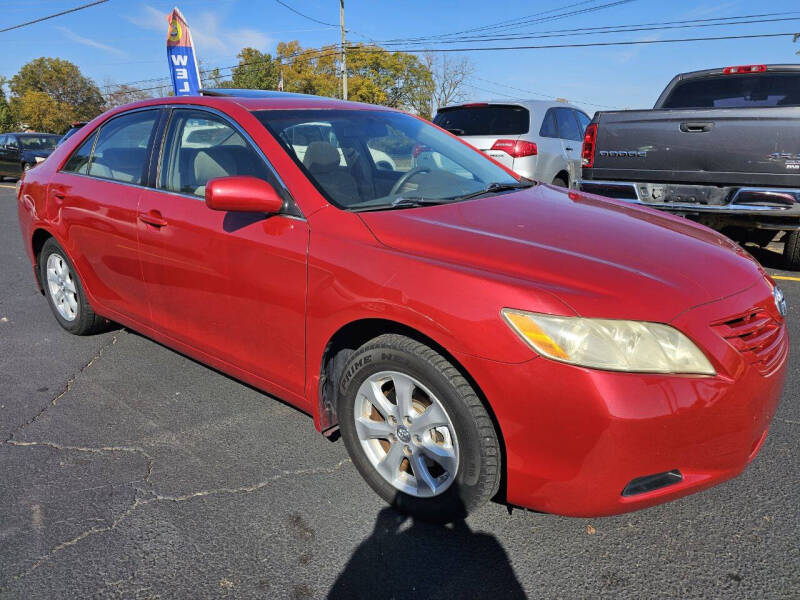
757, 207
575, 438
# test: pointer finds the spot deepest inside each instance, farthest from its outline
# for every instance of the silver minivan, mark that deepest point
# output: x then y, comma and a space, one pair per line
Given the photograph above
538, 139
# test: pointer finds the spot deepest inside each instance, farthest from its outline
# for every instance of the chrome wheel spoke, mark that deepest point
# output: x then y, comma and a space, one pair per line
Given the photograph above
69, 284
368, 429
426, 483
379, 400
434, 416
403, 388
72, 302
442, 455
389, 467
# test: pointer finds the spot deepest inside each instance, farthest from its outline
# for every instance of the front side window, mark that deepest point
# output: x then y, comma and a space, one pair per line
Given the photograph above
121, 151
201, 146
371, 159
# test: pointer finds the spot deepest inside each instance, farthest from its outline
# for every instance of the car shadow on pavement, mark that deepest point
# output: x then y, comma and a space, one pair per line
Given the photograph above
408, 558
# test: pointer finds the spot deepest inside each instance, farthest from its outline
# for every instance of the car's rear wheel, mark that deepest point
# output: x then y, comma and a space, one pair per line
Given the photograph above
791, 250
65, 293
416, 430
560, 182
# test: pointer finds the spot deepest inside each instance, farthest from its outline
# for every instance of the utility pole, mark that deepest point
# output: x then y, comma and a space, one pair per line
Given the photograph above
344, 57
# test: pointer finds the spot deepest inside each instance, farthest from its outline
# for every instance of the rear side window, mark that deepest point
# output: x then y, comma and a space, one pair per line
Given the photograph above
201, 146
489, 119
568, 128
79, 161
121, 151
549, 125
737, 91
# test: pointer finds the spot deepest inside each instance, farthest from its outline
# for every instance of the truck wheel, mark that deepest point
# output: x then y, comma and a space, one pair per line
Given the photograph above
417, 431
791, 250
65, 293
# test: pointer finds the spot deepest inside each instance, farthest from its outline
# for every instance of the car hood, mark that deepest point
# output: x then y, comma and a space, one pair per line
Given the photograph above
603, 258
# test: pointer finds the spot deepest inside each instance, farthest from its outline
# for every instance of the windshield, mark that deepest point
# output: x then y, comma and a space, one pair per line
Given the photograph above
371, 159
38, 142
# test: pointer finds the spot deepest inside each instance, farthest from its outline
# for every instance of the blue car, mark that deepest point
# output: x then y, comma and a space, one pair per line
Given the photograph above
22, 151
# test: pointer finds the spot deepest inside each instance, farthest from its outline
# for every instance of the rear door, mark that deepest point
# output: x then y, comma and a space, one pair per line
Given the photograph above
483, 124
97, 193
230, 284
571, 136
3, 155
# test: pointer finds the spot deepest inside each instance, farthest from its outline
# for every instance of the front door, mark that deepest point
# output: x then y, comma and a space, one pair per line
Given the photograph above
230, 284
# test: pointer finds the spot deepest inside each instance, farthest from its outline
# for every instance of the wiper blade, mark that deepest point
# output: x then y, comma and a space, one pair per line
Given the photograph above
498, 187
401, 202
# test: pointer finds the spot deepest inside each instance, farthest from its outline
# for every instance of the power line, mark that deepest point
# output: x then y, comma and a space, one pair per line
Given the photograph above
609, 30
511, 87
584, 45
54, 15
297, 12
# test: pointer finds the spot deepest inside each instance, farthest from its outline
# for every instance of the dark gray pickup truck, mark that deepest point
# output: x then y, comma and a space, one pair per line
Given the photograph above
721, 147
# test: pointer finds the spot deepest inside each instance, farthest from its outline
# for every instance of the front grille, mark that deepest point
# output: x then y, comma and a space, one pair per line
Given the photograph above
758, 337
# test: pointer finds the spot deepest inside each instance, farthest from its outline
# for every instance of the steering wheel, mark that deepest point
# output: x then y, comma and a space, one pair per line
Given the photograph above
404, 179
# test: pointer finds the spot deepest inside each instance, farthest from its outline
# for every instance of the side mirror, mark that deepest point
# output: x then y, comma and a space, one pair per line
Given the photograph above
242, 194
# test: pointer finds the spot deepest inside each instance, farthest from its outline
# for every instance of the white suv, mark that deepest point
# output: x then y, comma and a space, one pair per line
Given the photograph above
537, 139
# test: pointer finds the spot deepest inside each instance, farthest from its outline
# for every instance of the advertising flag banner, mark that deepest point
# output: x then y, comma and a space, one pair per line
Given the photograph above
181, 57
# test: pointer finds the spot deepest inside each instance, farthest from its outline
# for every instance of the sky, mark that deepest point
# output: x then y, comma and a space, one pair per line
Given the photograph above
123, 41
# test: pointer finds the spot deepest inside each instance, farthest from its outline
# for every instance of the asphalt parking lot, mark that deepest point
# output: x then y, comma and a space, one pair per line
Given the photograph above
130, 471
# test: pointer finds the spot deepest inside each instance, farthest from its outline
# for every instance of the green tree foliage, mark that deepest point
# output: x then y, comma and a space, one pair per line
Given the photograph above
394, 79
47, 94
7, 122
256, 70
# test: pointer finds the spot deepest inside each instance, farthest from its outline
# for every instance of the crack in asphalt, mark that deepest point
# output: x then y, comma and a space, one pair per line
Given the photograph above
790, 421
67, 387
155, 498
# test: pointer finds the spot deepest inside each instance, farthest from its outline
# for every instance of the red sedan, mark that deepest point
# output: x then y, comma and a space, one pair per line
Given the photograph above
469, 333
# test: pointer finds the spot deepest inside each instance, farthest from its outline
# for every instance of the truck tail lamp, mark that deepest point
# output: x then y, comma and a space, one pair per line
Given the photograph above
587, 152
516, 148
740, 70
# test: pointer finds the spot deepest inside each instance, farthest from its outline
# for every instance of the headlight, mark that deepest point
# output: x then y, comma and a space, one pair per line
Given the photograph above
39, 159
614, 345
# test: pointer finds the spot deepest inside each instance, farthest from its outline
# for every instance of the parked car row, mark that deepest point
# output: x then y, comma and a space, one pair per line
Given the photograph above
469, 333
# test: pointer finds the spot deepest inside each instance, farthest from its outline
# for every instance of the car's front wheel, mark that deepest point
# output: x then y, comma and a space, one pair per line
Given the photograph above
791, 250
65, 293
416, 430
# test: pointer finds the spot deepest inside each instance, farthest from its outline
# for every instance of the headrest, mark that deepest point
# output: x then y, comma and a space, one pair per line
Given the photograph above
321, 157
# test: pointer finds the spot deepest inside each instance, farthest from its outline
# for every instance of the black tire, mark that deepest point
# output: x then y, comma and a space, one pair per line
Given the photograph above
478, 475
560, 182
791, 250
86, 320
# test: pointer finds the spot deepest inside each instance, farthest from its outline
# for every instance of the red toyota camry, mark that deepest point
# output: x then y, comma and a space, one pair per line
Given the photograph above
469, 333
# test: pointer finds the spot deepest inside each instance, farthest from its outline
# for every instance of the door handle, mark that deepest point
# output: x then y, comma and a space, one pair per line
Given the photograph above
59, 195
153, 218
568, 148
696, 127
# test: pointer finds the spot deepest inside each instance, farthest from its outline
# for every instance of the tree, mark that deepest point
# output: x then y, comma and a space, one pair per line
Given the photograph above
41, 112
6, 118
448, 80
389, 78
256, 70
63, 83
123, 94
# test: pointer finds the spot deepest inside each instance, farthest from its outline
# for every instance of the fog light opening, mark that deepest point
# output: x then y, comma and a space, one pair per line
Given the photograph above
649, 483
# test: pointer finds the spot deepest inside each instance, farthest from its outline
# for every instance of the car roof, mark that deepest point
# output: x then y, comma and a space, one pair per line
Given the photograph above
528, 103
256, 100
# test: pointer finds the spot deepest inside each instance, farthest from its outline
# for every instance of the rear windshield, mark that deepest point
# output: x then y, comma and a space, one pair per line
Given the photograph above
38, 142
491, 119
737, 91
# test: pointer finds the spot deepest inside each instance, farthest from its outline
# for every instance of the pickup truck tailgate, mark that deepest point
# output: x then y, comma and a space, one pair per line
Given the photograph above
751, 146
